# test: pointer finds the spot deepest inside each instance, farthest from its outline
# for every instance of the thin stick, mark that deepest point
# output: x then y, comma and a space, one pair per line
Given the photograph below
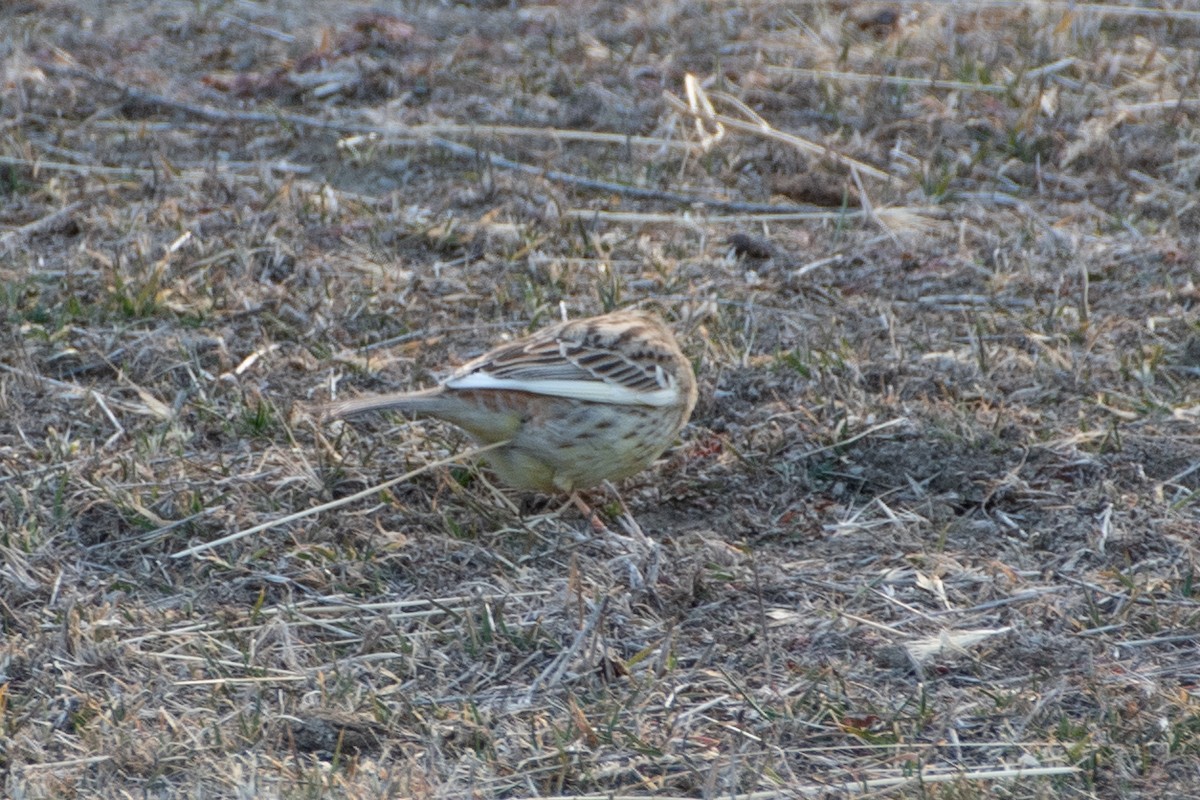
857, 787
422, 132
617, 188
693, 220
868, 432
894, 80
308, 512
553, 673
760, 127
212, 114
40, 225
73, 391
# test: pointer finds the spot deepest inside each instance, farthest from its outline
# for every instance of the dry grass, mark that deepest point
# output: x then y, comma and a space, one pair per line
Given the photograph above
931, 533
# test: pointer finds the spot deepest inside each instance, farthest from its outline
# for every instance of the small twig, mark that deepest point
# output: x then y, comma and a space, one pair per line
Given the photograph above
1188, 638
271, 33
864, 200
151, 536
887, 80
690, 220
1099, 9
760, 128
218, 115
764, 629
552, 674
99, 398
70, 762
1020, 597
841, 789
868, 432
841, 255
73, 391
560, 134
46, 223
611, 186
308, 512
1126, 597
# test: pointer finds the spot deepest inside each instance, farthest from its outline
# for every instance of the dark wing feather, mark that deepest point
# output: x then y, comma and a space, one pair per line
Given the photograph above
621, 349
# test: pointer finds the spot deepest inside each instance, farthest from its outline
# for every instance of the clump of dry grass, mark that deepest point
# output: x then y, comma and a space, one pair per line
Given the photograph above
931, 530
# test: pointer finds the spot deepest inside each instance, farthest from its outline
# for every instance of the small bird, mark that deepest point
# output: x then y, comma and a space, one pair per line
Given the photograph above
574, 404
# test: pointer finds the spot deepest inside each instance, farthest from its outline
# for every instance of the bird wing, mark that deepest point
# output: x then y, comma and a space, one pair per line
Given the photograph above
613, 359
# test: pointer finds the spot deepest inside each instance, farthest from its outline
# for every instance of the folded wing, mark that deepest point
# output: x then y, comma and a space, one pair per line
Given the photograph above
618, 361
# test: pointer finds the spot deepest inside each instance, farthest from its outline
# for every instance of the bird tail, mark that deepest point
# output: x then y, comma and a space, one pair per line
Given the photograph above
423, 402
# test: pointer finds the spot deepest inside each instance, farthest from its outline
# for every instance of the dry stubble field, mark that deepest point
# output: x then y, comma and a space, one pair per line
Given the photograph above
932, 531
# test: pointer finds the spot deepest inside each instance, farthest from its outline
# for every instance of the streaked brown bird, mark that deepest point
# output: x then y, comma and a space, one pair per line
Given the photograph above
575, 404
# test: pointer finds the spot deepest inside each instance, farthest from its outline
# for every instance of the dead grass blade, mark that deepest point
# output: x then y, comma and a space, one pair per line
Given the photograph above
354, 498
761, 128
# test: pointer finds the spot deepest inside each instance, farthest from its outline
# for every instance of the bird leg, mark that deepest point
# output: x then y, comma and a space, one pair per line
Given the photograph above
588, 512
627, 543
